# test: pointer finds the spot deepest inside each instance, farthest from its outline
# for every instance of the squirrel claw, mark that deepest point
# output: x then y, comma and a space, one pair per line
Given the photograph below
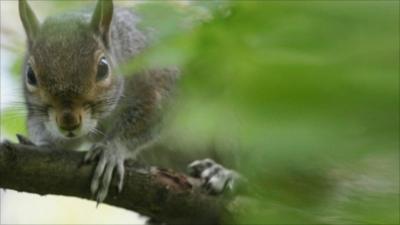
120, 172
24, 140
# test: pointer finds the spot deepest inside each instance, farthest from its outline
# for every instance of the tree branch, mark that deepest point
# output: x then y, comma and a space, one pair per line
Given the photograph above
161, 194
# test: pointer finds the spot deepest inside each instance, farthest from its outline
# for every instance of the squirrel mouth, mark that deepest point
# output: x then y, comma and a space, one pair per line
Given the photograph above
70, 134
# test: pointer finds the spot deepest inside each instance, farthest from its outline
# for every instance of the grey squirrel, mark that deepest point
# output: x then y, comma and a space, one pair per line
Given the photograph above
74, 92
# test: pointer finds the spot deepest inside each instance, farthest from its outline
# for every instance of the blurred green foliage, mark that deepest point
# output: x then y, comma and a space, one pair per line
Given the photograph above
12, 121
306, 88
304, 94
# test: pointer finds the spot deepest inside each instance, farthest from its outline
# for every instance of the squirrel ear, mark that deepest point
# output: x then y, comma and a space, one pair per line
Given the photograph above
29, 20
101, 19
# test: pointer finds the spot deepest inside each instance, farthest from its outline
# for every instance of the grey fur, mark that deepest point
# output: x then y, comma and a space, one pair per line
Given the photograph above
63, 55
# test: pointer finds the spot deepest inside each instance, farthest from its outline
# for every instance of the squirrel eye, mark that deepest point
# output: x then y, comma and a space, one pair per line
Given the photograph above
102, 69
31, 77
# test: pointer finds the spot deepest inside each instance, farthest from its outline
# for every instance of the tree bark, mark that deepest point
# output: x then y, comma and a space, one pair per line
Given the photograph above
161, 194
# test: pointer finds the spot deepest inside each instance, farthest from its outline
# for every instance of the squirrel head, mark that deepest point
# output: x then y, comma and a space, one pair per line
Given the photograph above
68, 76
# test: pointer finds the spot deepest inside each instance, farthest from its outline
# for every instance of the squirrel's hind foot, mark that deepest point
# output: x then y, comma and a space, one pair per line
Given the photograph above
216, 178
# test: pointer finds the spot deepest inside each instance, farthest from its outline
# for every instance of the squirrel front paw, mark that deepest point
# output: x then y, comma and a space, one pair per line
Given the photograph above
109, 159
215, 178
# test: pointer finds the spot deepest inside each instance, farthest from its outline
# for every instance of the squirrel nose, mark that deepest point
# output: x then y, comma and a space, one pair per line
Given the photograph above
69, 121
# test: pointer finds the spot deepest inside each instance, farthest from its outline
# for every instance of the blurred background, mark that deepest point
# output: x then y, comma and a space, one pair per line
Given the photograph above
302, 95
